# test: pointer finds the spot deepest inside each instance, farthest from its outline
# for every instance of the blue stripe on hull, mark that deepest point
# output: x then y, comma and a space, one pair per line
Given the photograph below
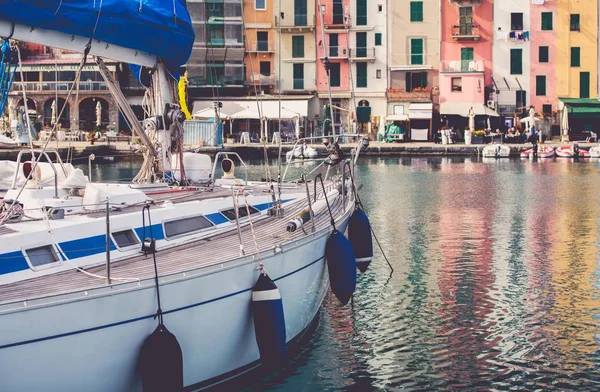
157, 232
151, 315
12, 262
84, 247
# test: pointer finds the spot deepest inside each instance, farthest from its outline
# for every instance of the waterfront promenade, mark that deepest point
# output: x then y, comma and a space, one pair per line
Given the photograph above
81, 150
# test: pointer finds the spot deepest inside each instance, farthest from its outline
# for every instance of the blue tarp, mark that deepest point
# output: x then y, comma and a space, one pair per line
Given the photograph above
160, 27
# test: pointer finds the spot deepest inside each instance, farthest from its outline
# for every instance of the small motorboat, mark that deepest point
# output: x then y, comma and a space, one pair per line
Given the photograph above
496, 151
595, 151
301, 152
6, 142
543, 152
572, 152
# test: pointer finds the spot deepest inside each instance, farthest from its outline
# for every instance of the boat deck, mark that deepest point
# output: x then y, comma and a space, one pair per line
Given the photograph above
269, 232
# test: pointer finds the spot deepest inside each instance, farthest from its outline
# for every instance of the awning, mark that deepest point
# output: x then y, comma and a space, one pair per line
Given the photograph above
420, 111
582, 107
246, 114
397, 117
290, 108
462, 109
208, 113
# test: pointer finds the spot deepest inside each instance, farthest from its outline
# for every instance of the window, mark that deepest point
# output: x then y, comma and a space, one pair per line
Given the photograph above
298, 76
467, 56
546, 20
575, 22
457, 84
543, 54
378, 39
361, 74
584, 84
380, 8
265, 68
378, 74
516, 21
260, 4
338, 12
262, 41
125, 238
416, 51
333, 45
230, 213
575, 57
547, 109
42, 255
416, 11
516, 61
300, 13
298, 46
415, 80
334, 74
466, 20
361, 12
521, 98
186, 225
540, 85
361, 44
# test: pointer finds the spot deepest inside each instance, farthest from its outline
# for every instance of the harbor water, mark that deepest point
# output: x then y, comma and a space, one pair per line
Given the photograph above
496, 282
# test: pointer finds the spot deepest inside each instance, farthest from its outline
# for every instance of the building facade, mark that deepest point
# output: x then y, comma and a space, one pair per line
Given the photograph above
466, 60
414, 60
259, 45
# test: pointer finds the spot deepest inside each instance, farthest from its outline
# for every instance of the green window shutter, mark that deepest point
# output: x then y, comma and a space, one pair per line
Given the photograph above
378, 39
416, 51
300, 13
416, 11
298, 76
575, 22
543, 55
546, 20
575, 57
540, 85
361, 12
516, 61
334, 74
298, 46
361, 74
584, 85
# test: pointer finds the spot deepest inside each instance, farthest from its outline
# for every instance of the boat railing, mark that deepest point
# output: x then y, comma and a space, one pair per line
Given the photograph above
361, 143
226, 155
33, 152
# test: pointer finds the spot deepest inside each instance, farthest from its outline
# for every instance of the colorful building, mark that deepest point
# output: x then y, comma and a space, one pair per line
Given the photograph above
414, 60
260, 45
466, 61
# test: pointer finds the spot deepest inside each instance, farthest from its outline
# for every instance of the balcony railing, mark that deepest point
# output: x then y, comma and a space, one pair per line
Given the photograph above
465, 32
467, 66
419, 94
362, 53
336, 20
261, 46
297, 23
58, 86
334, 52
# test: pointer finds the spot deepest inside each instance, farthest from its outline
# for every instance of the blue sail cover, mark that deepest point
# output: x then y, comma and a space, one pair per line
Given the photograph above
159, 27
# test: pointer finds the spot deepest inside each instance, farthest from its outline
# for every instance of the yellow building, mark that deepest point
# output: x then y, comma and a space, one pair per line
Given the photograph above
576, 46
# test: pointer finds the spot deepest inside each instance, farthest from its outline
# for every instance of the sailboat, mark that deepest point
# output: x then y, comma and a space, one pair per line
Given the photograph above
158, 284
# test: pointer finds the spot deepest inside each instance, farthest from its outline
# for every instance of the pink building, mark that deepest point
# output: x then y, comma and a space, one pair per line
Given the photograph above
543, 58
466, 57
332, 44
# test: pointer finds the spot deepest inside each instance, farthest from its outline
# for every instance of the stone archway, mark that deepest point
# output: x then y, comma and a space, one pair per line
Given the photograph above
64, 120
31, 105
87, 113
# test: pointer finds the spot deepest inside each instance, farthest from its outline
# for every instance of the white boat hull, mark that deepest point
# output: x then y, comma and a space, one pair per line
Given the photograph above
496, 151
44, 347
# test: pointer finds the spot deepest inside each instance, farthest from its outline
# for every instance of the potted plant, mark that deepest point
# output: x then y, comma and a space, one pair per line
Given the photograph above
478, 136
229, 138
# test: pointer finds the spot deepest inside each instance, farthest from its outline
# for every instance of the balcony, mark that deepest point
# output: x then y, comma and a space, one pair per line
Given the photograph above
261, 47
334, 52
462, 66
51, 87
336, 21
296, 24
362, 54
262, 80
417, 95
466, 32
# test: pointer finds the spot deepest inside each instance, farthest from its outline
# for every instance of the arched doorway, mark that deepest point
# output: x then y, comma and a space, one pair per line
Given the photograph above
30, 104
65, 116
87, 113
363, 116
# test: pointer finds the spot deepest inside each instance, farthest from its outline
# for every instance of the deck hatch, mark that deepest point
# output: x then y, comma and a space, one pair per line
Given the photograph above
41, 256
191, 224
230, 213
125, 238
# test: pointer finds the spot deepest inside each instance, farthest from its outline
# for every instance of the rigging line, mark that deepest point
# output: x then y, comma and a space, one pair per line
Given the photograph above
326, 66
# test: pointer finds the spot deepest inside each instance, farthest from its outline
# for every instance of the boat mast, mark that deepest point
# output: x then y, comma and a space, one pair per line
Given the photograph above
326, 63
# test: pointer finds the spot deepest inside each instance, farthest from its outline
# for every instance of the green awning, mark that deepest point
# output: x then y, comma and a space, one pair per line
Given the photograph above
582, 107
363, 114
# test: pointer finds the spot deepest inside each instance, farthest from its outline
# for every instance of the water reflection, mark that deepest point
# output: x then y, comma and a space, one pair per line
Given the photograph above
496, 282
